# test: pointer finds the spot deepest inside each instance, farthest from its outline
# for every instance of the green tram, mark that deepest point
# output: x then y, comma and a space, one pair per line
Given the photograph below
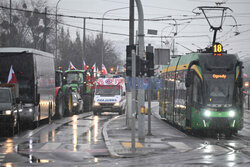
203, 91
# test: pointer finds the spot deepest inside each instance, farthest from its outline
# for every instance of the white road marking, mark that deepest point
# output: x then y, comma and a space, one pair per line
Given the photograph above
180, 146
2, 156
50, 146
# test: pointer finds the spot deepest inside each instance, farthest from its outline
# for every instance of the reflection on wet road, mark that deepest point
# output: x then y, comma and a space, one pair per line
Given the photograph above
77, 141
74, 140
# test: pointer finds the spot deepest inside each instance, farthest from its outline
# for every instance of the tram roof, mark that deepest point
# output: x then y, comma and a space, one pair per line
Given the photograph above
184, 61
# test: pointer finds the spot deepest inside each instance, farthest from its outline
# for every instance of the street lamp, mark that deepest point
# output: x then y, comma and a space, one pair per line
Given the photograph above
162, 34
56, 26
102, 47
175, 33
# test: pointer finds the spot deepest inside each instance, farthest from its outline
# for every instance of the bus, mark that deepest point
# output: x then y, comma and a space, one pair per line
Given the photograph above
203, 92
35, 73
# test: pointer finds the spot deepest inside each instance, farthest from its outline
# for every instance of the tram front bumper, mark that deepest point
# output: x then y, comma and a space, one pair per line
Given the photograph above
219, 123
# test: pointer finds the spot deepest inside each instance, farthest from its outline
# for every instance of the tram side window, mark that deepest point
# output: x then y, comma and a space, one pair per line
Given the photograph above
197, 94
170, 86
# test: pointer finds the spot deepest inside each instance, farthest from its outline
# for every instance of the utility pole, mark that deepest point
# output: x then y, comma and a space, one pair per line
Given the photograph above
84, 40
45, 31
10, 35
141, 91
131, 42
131, 21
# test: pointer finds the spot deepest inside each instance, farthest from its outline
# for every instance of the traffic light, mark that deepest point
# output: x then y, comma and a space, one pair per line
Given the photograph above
129, 59
138, 66
150, 64
143, 69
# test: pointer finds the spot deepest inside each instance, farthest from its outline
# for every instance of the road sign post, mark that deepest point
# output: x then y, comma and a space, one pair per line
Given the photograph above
133, 87
149, 107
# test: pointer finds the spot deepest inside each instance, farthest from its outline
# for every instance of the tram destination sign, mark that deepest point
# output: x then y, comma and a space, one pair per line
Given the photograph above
217, 49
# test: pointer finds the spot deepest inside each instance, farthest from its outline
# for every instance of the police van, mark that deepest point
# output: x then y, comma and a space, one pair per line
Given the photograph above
109, 95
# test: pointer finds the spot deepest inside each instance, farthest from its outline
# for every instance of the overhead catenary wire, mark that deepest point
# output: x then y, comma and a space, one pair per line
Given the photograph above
110, 19
121, 34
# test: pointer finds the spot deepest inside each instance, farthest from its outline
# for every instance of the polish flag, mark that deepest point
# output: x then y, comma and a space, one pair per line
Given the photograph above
94, 68
71, 66
244, 75
84, 65
97, 70
104, 70
117, 70
12, 77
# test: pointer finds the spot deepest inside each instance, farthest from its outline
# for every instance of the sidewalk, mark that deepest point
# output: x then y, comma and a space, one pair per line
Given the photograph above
118, 137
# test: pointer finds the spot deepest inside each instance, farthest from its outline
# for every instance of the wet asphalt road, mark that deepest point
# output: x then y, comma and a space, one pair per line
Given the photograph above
70, 141
77, 141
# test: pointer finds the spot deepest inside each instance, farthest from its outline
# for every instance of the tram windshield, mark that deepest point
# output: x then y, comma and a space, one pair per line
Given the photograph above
219, 92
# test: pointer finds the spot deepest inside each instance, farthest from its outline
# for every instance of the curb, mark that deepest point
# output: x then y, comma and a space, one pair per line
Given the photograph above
108, 142
106, 138
110, 146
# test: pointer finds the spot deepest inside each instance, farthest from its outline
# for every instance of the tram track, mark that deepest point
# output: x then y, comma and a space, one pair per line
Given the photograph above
219, 140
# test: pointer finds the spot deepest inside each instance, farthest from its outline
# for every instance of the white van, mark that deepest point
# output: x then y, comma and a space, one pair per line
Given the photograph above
109, 96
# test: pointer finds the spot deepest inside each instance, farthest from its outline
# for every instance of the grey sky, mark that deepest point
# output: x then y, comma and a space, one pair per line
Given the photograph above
162, 8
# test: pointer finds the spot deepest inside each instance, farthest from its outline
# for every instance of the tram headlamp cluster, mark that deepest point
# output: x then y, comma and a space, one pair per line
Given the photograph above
231, 113
207, 113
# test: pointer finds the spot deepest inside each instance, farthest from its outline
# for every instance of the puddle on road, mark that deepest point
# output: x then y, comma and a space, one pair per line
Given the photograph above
75, 132
7, 147
34, 160
78, 131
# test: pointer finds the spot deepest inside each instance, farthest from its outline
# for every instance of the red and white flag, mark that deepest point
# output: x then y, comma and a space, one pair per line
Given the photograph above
12, 77
84, 65
97, 70
104, 70
244, 75
117, 70
71, 66
94, 68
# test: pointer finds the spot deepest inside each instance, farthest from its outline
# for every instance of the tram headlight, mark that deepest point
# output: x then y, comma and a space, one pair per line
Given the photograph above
231, 113
207, 113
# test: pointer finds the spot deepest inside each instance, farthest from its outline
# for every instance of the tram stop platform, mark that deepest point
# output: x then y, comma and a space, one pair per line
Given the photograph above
118, 137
